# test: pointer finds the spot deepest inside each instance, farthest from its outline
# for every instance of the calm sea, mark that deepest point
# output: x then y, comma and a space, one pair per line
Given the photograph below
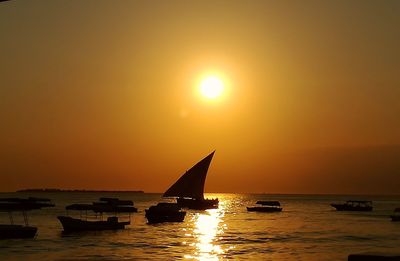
307, 229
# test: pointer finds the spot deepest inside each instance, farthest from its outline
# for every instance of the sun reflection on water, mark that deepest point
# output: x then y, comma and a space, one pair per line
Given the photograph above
208, 225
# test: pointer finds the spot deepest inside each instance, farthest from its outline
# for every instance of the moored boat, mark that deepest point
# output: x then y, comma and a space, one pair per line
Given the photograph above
76, 224
266, 206
370, 256
10, 205
17, 231
199, 204
165, 212
97, 223
189, 188
354, 205
396, 215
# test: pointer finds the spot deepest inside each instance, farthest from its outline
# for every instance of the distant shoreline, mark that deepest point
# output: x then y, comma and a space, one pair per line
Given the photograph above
79, 190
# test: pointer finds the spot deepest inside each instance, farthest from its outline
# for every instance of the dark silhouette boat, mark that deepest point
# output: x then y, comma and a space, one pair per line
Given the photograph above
10, 205
371, 256
266, 206
396, 215
105, 206
165, 212
354, 205
189, 188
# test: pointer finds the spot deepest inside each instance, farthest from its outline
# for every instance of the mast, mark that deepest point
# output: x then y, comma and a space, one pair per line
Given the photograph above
191, 184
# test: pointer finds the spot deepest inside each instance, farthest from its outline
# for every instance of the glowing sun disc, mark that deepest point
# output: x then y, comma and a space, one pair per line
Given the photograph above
211, 87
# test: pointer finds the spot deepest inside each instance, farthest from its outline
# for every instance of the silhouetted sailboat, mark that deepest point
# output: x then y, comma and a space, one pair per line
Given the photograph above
189, 188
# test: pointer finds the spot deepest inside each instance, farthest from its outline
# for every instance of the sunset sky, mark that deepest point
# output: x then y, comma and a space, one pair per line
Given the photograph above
106, 95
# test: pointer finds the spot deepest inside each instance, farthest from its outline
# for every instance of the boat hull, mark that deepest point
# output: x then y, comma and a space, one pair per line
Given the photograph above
345, 207
264, 209
73, 224
154, 217
17, 231
198, 204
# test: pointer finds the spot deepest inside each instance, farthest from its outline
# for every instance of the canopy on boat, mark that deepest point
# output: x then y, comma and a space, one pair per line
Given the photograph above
30, 199
79, 207
268, 203
23, 204
191, 184
115, 201
360, 201
104, 207
113, 209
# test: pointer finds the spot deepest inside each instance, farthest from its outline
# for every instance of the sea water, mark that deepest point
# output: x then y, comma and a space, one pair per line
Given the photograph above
308, 228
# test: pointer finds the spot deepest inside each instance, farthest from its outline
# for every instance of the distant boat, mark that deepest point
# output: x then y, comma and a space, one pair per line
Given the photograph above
23, 205
106, 205
354, 205
266, 206
396, 215
165, 212
189, 188
372, 256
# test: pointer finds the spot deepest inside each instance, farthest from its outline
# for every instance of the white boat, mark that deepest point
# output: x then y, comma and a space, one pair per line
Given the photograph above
189, 188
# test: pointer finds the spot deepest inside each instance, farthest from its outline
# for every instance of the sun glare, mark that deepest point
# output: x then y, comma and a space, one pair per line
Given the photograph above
211, 87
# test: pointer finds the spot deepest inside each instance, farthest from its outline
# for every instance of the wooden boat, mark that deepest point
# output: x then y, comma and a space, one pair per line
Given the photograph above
396, 215
165, 212
26, 204
17, 231
75, 224
354, 205
199, 204
23, 205
266, 206
374, 257
189, 188
106, 205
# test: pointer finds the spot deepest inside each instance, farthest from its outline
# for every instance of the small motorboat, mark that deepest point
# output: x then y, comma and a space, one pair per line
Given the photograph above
17, 231
396, 215
97, 223
354, 205
10, 205
371, 256
165, 212
266, 206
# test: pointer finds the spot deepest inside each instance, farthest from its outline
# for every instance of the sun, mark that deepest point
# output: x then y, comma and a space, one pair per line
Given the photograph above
211, 87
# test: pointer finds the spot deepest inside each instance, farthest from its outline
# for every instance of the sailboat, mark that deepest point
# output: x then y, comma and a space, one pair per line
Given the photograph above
189, 188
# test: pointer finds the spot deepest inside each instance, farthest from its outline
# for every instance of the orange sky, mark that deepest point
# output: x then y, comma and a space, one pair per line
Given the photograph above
102, 95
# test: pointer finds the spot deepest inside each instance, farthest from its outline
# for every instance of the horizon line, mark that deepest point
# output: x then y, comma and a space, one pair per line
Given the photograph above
53, 190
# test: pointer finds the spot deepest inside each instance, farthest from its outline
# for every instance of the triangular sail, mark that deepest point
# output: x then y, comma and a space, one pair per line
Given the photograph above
191, 184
